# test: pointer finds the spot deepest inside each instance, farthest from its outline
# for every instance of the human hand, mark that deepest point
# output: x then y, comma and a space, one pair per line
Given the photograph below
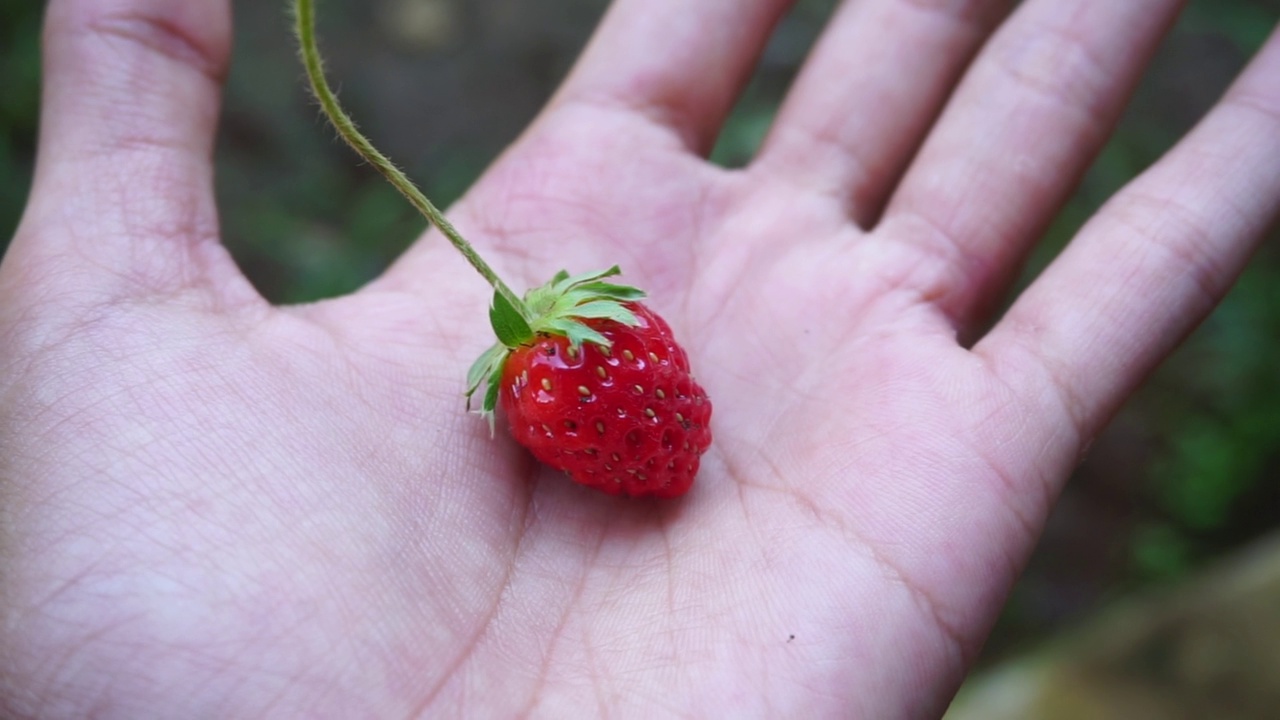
214, 507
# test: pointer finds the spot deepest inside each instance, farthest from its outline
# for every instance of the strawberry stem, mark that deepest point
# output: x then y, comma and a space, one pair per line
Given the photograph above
305, 27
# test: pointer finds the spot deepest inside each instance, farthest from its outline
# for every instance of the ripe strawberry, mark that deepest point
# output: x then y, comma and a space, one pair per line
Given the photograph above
626, 418
591, 380
602, 392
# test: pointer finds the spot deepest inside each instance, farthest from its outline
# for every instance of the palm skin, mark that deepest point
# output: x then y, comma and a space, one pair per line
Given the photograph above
229, 509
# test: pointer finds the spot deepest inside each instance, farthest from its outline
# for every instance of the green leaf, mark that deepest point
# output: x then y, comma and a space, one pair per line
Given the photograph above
491, 398
508, 323
570, 282
625, 293
493, 358
577, 332
560, 277
606, 309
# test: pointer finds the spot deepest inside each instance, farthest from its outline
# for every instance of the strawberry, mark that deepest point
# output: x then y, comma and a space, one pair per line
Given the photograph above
591, 381
597, 386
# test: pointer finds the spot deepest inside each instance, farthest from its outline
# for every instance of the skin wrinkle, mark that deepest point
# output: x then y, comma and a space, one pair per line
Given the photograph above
955, 270
503, 591
1014, 561
672, 609
662, 278
161, 154
215, 667
661, 115
38, 606
575, 600
167, 39
347, 349
77, 327
1256, 102
812, 386
1193, 250
801, 500
1011, 487
57, 666
138, 286
118, 392
243, 318
617, 595
275, 705
764, 650
699, 341
892, 572
696, 262
961, 647
1231, 207
109, 398
1076, 82
50, 541
143, 145
1073, 404
174, 264
527, 258
776, 469
997, 370
594, 672
166, 228
114, 396
773, 162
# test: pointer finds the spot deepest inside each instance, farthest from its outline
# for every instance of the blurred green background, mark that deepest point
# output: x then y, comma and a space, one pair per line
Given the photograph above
1186, 473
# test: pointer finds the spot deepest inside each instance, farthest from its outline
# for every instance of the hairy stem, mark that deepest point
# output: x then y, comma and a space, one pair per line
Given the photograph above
304, 11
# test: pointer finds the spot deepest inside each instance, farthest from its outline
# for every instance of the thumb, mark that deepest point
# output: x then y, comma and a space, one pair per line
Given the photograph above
123, 193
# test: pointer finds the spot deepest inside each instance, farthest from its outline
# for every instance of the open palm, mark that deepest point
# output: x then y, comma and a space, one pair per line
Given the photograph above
214, 507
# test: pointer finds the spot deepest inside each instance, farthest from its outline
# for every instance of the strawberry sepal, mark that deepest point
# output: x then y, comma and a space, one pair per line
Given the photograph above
558, 309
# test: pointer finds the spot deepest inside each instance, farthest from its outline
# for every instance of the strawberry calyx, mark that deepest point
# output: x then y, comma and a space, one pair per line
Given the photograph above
557, 308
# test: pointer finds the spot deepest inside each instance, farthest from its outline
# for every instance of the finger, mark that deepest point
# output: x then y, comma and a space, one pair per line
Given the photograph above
1030, 116
124, 177
870, 90
1151, 264
676, 64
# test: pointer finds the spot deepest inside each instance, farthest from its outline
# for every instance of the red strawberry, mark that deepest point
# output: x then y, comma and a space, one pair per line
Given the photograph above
592, 382
602, 391
627, 418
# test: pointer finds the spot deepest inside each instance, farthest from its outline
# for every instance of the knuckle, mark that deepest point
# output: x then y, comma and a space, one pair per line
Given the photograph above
1056, 64
169, 39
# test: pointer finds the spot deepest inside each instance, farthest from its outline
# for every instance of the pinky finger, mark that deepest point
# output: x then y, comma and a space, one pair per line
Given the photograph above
1152, 264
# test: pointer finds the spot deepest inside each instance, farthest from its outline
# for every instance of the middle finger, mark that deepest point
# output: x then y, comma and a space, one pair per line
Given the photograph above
868, 93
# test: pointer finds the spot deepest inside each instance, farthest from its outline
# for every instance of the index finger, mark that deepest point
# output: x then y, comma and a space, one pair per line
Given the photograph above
676, 64
123, 190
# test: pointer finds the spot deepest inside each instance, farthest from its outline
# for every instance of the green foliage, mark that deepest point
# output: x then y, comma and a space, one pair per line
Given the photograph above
743, 132
509, 323
1247, 23
1223, 427
19, 103
1161, 552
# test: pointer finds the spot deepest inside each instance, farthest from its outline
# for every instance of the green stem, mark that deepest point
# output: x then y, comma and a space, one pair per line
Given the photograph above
304, 11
